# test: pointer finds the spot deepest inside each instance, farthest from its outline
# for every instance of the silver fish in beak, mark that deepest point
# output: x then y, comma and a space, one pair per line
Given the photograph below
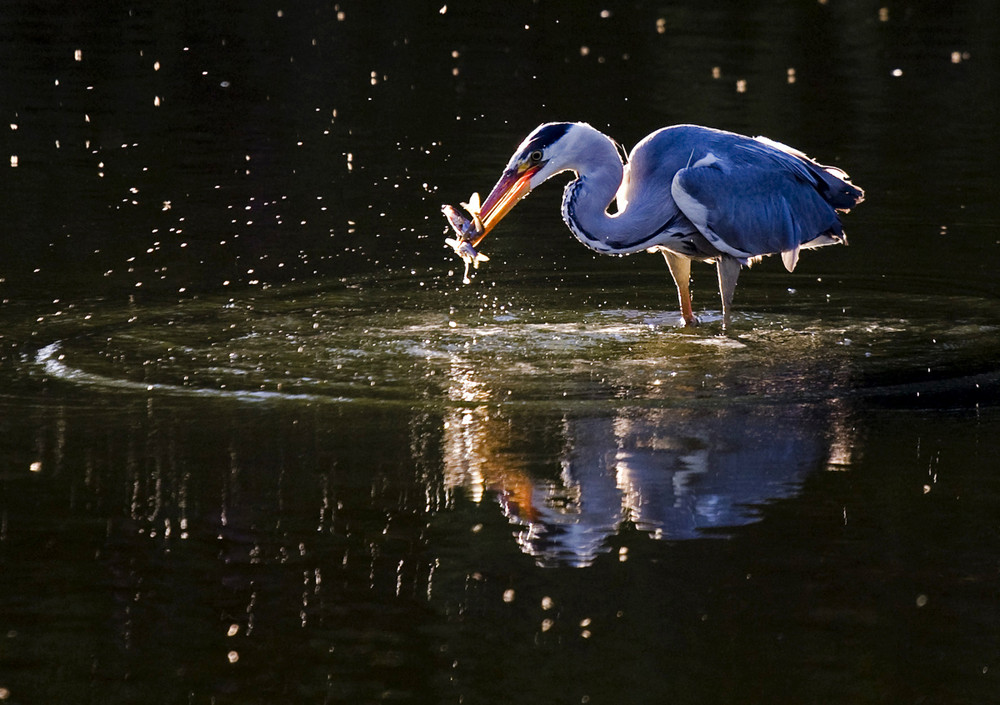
466, 231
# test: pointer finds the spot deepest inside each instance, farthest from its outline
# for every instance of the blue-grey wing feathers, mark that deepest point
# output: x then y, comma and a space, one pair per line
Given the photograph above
764, 198
830, 182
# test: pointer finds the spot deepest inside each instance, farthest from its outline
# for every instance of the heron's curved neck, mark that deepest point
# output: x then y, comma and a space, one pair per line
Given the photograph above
587, 198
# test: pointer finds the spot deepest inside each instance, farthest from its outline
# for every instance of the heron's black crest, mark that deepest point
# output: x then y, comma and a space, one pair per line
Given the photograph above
547, 135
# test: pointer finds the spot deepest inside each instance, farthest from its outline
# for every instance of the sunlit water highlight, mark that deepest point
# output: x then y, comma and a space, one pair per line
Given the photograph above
680, 433
269, 346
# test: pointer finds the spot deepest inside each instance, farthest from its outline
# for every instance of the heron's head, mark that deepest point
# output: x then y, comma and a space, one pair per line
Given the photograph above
540, 156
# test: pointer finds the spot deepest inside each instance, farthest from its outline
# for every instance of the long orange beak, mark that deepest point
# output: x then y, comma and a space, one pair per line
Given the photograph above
511, 188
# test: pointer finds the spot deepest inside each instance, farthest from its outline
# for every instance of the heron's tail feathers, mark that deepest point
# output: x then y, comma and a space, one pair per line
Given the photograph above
836, 188
825, 239
833, 184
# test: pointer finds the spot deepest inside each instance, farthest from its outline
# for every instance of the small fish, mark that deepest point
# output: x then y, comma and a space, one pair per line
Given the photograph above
465, 230
460, 224
465, 250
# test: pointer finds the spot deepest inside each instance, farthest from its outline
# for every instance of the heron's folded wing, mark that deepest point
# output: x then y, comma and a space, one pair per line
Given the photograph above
833, 184
748, 211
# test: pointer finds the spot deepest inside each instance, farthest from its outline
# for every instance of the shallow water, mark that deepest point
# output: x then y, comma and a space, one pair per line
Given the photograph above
397, 340
258, 443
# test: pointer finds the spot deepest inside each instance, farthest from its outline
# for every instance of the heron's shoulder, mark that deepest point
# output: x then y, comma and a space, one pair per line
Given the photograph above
693, 132
672, 148
689, 138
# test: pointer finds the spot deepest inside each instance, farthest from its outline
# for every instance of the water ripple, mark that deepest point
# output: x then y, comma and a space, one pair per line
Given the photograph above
269, 349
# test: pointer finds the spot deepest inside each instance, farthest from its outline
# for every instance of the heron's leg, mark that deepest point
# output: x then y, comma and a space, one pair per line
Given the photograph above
680, 269
729, 272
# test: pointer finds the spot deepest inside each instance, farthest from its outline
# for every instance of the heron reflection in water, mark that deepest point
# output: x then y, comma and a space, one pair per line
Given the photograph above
688, 192
676, 474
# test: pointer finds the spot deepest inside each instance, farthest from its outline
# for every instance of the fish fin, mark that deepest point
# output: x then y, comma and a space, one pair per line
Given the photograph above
473, 205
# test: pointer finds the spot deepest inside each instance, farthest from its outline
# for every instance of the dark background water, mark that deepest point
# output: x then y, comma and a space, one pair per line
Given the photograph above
259, 444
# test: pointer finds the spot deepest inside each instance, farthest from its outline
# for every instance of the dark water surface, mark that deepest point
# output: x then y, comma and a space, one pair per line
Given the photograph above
259, 444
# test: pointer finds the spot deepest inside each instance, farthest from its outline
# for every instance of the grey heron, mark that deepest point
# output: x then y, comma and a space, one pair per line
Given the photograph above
689, 192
